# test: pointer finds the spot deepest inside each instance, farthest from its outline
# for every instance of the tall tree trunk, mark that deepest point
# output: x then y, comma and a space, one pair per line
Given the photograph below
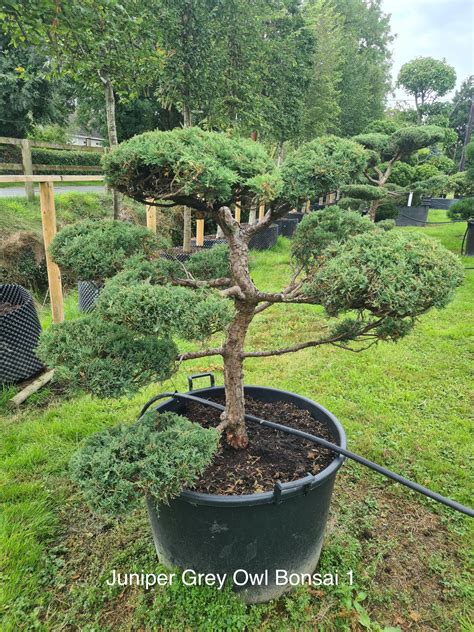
467, 137
187, 122
112, 131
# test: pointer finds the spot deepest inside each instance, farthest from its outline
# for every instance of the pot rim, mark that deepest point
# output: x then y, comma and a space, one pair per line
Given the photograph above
282, 491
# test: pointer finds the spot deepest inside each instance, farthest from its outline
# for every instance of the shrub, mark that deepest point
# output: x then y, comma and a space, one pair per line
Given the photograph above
210, 263
402, 174
462, 209
384, 126
395, 274
159, 455
97, 250
425, 171
319, 230
363, 191
107, 359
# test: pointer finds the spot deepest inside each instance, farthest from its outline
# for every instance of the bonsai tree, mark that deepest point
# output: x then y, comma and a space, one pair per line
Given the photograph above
384, 152
372, 285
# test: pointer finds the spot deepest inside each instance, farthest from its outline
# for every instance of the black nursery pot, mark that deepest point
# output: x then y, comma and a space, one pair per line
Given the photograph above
265, 238
412, 216
254, 534
19, 334
287, 226
441, 203
88, 294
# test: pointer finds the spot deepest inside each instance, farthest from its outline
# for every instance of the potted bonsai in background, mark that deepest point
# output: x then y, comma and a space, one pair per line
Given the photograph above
384, 152
253, 498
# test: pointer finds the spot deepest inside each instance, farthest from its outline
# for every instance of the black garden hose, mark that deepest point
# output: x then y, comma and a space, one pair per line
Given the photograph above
452, 504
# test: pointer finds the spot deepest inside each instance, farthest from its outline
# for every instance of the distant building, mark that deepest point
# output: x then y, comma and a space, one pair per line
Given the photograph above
87, 140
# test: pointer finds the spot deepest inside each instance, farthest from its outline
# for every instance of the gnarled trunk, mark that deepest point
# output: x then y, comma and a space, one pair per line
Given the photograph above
233, 416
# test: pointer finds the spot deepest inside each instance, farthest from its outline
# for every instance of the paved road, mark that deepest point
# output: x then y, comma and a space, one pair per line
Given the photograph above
20, 191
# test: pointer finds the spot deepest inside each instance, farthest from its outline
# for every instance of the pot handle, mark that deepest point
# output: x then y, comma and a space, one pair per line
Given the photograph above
197, 375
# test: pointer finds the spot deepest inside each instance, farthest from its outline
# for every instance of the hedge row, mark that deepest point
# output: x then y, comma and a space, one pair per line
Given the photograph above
9, 153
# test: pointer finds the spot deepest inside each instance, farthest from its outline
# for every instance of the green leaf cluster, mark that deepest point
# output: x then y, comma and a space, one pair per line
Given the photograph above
324, 228
106, 359
363, 191
394, 274
462, 209
157, 456
190, 162
165, 310
319, 166
96, 250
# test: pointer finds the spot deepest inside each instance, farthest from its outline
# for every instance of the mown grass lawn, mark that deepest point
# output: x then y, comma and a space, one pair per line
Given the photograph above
406, 405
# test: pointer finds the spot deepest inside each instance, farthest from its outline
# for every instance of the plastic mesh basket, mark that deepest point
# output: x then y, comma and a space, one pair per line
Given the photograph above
19, 332
88, 292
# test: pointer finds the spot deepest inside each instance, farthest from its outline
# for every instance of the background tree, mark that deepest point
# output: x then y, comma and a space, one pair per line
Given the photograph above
384, 151
388, 280
322, 109
426, 79
105, 45
28, 93
366, 63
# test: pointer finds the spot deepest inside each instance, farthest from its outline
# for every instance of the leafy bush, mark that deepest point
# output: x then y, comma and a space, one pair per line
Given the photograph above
461, 185
402, 174
392, 274
443, 164
97, 250
108, 359
319, 166
462, 209
159, 455
65, 157
386, 211
384, 126
385, 224
363, 191
319, 230
425, 171
165, 310
210, 263
193, 162
76, 206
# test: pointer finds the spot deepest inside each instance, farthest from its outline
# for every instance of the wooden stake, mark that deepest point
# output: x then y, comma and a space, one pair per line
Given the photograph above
199, 230
40, 381
27, 168
48, 218
261, 211
308, 206
238, 209
151, 216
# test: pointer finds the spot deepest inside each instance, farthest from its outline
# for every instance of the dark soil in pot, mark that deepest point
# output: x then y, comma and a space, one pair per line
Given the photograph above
8, 308
271, 455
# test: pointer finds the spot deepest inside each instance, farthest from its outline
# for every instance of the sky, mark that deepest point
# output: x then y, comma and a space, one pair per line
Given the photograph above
432, 28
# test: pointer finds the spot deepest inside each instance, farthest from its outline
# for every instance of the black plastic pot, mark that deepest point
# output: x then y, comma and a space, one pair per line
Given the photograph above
287, 226
281, 529
469, 239
412, 216
88, 293
265, 238
440, 203
19, 333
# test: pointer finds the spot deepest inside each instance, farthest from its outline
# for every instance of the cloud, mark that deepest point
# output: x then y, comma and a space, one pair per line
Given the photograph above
434, 28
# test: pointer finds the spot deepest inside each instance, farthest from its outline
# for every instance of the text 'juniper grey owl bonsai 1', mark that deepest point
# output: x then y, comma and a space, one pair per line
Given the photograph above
372, 284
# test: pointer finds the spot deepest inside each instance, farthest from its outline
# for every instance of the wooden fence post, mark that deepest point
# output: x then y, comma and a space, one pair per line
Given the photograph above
48, 218
151, 217
199, 230
238, 209
261, 211
27, 168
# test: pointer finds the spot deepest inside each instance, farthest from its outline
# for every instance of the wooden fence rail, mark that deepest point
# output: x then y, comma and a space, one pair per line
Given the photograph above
28, 167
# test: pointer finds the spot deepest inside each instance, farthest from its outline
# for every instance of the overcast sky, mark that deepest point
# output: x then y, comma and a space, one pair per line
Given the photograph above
434, 28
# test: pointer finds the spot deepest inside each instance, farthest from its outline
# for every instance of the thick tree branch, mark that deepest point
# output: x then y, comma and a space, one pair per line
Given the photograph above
194, 283
192, 355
